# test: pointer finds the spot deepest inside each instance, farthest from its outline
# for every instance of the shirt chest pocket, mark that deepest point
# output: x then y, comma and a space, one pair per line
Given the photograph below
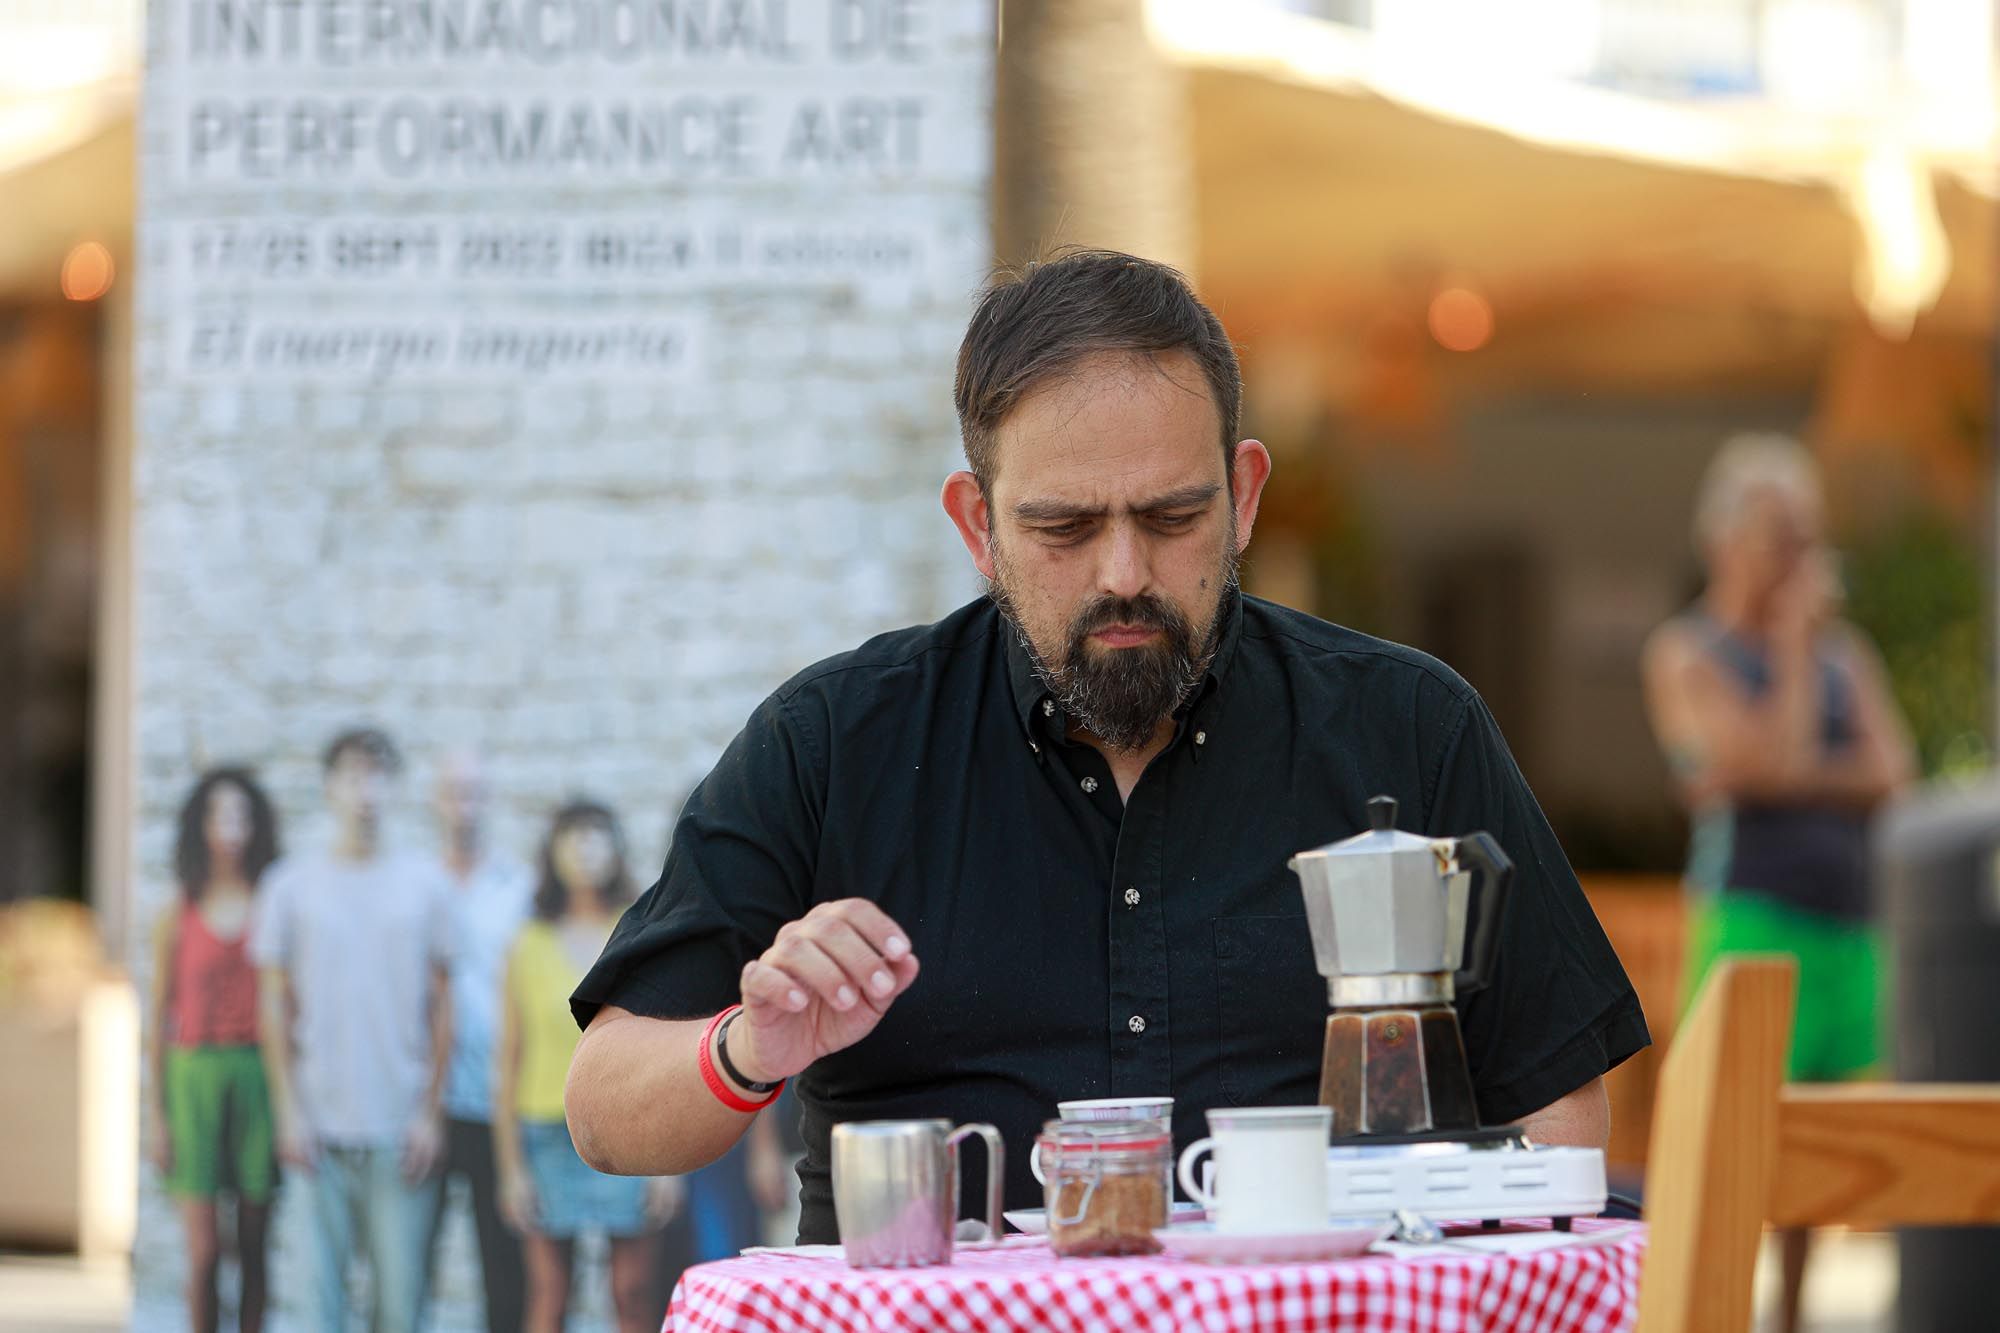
1270, 1011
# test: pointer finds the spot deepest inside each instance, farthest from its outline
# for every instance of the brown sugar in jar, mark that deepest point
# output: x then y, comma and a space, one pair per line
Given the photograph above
1107, 1185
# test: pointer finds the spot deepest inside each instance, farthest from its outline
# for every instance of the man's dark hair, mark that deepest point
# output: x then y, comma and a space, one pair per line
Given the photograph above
1039, 322
191, 864
551, 894
372, 743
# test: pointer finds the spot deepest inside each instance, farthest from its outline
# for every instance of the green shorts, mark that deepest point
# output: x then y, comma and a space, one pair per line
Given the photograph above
1836, 1025
219, 1122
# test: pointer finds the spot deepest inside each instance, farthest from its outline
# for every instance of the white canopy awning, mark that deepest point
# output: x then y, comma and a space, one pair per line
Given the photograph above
66, 175
1333, 184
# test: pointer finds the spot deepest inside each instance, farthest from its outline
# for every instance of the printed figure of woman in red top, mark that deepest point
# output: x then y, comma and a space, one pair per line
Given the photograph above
212, 1131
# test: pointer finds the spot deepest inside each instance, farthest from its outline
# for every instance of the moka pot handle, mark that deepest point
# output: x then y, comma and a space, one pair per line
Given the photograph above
1492, 874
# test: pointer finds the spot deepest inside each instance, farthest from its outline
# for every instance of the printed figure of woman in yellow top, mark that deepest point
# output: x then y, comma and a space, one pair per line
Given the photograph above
547, 1192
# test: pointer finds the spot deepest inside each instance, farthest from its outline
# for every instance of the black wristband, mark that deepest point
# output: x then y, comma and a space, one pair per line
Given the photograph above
722, 1057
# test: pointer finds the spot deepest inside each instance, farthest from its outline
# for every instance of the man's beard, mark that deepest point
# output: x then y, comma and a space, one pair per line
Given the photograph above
1120, 695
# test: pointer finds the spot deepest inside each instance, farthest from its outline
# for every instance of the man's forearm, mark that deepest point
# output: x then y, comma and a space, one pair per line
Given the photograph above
275, 1038
440, 1044
1856, 780
635, 1099
507, 1158
1859, 781
1582, 1119
1795, 712
1774, 751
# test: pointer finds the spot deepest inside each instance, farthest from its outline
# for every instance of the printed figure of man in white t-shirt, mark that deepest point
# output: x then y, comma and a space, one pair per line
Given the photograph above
354, 948
489, 894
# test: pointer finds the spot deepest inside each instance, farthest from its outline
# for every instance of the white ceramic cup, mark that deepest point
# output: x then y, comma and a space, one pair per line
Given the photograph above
1107, 1108
1269, 1171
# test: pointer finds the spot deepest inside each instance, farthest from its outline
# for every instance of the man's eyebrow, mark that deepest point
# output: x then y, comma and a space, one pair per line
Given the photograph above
1187, 497
1054, 511
1064, 511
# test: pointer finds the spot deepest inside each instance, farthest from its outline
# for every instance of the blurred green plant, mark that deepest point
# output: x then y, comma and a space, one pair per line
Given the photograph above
1917, 586
1347, 561
1321, 504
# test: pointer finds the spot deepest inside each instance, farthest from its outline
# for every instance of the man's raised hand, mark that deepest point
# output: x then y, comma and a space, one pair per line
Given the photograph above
822, 986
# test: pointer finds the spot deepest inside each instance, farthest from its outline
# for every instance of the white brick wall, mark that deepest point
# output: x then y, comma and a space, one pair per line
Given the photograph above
592, 577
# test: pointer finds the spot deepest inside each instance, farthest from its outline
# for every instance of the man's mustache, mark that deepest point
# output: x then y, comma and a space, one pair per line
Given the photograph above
1136, 612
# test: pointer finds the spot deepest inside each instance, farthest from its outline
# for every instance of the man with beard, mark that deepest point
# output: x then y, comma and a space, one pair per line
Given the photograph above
1037, 850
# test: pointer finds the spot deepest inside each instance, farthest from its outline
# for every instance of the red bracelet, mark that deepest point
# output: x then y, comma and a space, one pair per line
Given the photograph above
709, 1075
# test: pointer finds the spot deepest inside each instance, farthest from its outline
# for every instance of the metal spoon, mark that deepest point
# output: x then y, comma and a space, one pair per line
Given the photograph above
1413, 1228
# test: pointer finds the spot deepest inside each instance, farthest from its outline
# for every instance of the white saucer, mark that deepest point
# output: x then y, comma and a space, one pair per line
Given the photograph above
1035, 1221
1201, 1243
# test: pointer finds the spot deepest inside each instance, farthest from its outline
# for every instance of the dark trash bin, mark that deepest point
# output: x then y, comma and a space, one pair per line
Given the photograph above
1938, 871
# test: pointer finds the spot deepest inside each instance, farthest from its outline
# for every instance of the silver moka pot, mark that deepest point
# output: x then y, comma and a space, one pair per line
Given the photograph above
1389, 913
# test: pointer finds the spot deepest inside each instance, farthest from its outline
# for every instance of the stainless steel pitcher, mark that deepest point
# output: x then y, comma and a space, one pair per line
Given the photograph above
895, 1189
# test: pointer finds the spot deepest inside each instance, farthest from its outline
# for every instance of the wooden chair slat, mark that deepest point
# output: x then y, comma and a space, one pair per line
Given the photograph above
1885, 1155
1712, 1149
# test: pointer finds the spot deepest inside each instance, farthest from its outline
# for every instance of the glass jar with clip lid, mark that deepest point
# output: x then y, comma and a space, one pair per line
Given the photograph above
1108, 1184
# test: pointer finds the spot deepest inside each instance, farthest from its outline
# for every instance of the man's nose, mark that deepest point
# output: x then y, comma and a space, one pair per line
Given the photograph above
1125, 569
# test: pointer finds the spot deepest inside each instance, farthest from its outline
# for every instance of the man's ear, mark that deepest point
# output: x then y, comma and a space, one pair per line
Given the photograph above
1249, 469
966, 503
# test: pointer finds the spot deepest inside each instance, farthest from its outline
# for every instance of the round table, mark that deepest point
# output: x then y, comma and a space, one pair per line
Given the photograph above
1589, 1285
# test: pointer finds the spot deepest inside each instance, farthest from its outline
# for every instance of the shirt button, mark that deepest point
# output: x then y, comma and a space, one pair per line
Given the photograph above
1136, 1023
1131, 897
1048, 708
1201, 738
1089, 785
1035, 747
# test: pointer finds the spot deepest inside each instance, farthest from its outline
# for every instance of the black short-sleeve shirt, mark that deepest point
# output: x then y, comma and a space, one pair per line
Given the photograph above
1076, 946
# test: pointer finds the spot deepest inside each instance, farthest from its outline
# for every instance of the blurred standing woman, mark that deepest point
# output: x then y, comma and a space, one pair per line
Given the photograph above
549, 1194
1777, 720
211, 1111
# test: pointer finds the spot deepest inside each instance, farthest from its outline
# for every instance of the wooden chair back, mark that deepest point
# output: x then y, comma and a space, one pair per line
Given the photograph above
1733, 1147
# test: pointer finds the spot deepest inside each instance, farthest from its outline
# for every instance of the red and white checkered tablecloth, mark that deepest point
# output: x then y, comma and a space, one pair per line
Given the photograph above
1020, 1287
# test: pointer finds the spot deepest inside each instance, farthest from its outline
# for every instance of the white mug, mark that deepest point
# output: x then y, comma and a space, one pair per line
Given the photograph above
1269, 1171
1107, 1109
